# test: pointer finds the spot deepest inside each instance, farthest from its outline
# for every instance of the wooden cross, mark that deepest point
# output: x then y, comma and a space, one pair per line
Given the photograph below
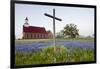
54, 18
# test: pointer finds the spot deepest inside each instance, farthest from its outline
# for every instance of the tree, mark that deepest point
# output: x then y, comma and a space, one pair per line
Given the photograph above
70, 30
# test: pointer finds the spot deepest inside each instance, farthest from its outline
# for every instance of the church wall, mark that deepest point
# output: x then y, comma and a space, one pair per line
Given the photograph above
34, 36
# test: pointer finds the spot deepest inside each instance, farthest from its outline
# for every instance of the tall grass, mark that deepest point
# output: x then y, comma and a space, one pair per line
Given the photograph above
48, 55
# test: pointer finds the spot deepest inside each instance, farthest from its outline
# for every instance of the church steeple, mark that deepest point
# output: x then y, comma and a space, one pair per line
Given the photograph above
26, 22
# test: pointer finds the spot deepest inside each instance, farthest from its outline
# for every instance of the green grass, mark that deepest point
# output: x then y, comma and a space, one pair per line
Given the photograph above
28, 41
48, 55
78, 39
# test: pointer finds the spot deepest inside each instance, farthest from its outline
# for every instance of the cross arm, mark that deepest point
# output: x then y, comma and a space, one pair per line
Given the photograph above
52, 17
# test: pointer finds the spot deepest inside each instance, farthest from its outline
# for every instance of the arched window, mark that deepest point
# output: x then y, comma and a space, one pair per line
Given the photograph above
27, 36
35, 35
42, 35
32, 35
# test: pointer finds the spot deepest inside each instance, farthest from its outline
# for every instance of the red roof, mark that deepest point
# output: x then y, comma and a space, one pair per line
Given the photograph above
34, 29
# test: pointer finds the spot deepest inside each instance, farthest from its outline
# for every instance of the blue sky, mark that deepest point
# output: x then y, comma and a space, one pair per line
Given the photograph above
82, 17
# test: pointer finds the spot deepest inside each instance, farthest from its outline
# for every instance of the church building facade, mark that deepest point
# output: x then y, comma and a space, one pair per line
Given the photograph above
33, 32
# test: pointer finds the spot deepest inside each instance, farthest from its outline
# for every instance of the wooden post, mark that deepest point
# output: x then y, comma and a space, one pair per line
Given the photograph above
54, 27
54, 39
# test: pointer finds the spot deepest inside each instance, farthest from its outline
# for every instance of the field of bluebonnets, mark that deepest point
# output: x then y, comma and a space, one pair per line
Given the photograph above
41, 51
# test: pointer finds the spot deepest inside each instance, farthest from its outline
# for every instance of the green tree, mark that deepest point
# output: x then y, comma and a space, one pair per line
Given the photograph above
70, 30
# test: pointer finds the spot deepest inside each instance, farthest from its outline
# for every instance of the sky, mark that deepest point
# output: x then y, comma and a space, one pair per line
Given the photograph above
82, 17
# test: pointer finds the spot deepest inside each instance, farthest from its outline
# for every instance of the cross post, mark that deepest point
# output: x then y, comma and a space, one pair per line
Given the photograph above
54, 18
54, 27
